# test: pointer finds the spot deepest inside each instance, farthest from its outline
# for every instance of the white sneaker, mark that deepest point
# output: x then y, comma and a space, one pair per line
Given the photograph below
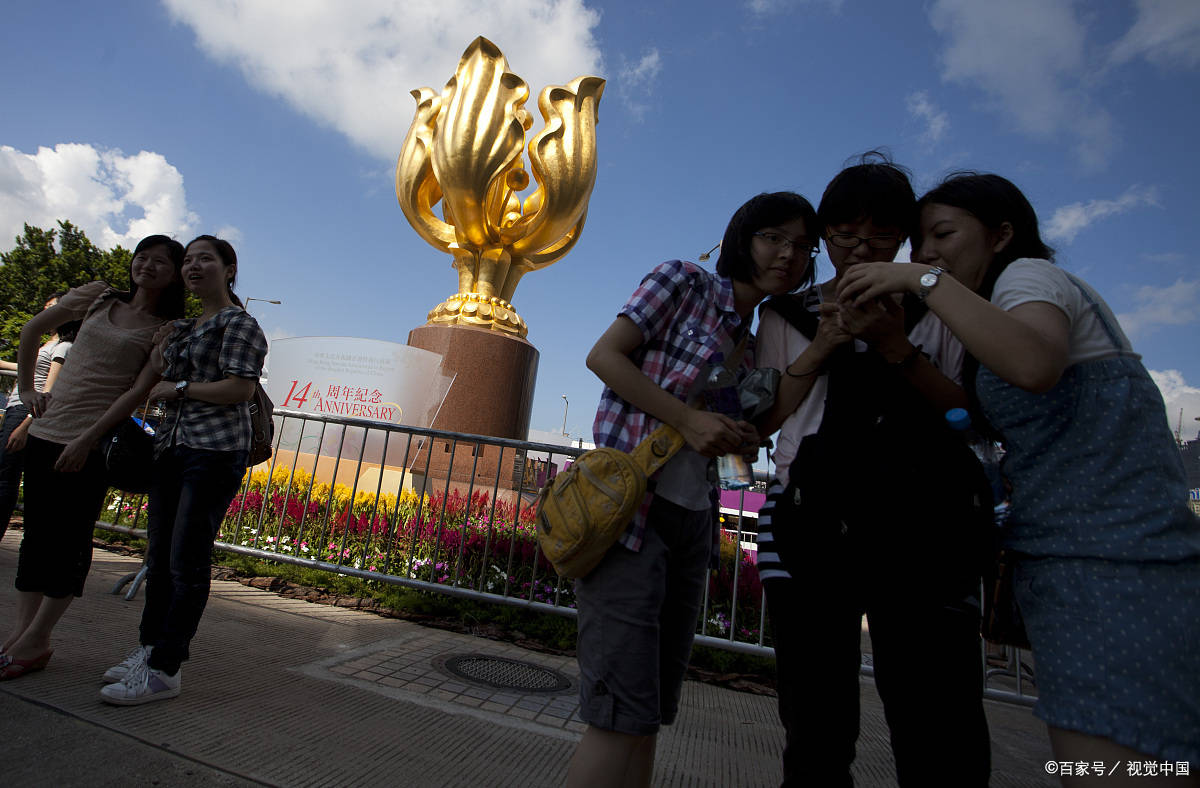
143, 684
136, 657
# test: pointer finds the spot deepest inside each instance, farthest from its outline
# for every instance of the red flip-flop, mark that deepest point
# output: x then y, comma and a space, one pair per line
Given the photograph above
13, 668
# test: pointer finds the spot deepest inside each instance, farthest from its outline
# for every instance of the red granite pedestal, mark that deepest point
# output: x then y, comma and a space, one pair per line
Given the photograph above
492, 394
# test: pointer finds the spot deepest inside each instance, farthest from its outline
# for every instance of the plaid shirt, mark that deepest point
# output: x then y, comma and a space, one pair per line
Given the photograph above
686, 316
229, 343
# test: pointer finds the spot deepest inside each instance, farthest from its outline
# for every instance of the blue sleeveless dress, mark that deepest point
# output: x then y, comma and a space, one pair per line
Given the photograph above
1109, 577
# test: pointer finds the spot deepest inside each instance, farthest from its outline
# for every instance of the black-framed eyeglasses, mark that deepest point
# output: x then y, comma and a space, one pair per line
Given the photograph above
849, 241
781, 241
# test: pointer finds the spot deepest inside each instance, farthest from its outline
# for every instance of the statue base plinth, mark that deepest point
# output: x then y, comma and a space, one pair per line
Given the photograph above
492, 393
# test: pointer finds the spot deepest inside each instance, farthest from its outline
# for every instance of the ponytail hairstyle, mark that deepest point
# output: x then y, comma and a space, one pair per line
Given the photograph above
225, 251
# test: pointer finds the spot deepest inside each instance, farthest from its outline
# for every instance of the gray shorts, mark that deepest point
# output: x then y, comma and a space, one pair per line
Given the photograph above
637, 619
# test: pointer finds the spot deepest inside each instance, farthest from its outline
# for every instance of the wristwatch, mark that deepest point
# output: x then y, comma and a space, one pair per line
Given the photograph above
181, 387
929, 280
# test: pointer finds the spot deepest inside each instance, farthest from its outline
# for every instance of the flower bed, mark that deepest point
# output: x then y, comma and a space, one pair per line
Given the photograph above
472, 542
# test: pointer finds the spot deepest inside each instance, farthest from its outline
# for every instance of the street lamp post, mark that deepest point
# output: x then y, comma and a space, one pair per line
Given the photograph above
566, 404
264, 300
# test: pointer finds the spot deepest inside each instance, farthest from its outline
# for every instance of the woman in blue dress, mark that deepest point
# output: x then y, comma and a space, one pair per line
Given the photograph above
1108, 573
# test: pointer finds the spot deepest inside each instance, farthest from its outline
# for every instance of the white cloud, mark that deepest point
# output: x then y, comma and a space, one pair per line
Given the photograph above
229, 233
936, 121
1173, 305
350, 65
644, 71
768, 7
1029, 60
1069, 220
114, 198
1178, 394
636, 83
1167, 33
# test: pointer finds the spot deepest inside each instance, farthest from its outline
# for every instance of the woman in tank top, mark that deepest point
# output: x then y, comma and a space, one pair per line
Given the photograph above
108, 374
50, 358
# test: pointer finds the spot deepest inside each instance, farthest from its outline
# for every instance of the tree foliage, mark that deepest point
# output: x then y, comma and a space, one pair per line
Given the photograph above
46, 261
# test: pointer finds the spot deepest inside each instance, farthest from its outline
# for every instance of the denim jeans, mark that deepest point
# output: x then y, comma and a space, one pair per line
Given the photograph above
193, 489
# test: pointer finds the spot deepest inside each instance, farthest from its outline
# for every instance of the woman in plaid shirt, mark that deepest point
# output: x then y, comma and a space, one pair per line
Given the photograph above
212, 364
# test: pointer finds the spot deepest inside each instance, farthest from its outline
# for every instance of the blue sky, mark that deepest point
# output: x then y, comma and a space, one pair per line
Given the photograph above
277, 124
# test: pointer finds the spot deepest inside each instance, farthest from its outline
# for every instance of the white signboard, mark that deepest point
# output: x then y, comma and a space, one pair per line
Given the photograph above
355, 378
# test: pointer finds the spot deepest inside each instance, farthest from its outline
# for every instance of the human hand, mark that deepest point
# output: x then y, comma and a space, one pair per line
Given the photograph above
875, 322
865, 282
17, 438
831, 330
164, 391
750, 441
711, 434
36, 401
162, 338
74, 456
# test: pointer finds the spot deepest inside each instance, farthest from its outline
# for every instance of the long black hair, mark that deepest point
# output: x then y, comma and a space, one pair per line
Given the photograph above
992, 200
170, 303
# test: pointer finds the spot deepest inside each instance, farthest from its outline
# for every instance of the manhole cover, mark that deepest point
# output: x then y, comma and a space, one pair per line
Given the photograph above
502, 673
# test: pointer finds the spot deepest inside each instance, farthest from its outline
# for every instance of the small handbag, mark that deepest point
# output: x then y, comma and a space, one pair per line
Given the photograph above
262, 426
128, 452
584, 510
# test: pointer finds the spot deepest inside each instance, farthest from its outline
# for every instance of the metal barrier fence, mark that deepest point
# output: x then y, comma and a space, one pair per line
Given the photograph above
453, 514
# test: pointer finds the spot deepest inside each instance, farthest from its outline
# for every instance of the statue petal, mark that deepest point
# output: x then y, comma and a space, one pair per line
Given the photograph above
563, 160
416, 188
480, 132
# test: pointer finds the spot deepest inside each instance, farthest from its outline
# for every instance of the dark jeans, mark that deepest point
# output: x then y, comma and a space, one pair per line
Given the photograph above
925, 646
11, 463
193, 490
61, 510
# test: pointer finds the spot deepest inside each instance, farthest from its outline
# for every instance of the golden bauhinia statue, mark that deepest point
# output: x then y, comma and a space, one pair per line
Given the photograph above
464, 149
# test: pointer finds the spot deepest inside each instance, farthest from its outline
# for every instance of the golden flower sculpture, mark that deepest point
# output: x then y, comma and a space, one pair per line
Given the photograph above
464, 149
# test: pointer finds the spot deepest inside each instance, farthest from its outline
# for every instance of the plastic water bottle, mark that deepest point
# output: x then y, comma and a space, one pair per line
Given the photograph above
985, 449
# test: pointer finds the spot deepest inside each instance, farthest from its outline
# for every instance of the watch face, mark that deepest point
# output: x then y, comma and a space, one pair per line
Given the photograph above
929, 280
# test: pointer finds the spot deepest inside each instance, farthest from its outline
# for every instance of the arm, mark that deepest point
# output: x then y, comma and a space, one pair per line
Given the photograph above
75, 454
880, 324
16, 438
243, 348
72, 306
1026, 346
229, 391
710, 434
801, 374
11, 366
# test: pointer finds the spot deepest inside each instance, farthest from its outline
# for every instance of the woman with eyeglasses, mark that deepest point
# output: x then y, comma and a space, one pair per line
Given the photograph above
639, 606
878, 510
1108, 571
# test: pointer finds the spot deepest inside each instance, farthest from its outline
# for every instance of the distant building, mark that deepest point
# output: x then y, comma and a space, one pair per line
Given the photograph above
1191, 463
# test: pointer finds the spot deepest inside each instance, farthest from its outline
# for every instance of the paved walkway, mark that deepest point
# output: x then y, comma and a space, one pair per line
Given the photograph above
283, 692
